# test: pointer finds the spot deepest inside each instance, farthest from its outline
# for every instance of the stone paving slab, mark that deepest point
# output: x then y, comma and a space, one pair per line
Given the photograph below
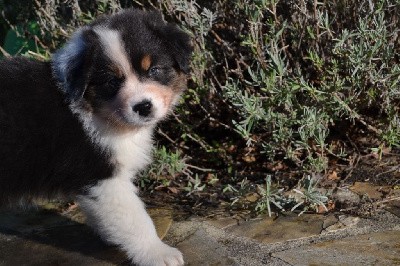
269, 230
201, 248
381, 248
394, 207
224, 242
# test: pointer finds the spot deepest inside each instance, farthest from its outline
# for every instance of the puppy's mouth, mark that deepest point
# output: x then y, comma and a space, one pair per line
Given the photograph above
131, 118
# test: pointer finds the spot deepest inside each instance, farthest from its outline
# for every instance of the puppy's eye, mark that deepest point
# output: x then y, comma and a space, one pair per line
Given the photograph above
154, 71
115, 81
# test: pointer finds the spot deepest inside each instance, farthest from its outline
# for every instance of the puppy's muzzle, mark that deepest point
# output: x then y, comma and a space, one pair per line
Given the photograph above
143, 109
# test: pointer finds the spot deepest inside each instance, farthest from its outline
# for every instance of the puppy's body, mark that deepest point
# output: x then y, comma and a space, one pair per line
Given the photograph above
44, 149
81, 124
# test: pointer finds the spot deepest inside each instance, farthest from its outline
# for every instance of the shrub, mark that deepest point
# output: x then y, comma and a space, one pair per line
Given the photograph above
289, 77
290, 83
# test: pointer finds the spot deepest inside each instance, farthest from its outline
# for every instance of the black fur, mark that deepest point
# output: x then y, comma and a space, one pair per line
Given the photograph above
174, 44
44, 150
81, 125
147, 33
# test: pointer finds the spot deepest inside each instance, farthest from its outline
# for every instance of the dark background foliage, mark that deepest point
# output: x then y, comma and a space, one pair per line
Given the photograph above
281, 89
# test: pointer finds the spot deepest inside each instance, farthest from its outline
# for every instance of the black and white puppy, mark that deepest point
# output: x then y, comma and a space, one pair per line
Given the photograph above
82, 124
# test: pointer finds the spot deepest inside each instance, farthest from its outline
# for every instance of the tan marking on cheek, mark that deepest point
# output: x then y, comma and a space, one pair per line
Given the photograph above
145, 63
167, 99
163, 93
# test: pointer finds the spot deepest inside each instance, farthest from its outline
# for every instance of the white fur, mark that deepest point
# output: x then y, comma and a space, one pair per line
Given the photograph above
133, 91
70, 51
63, 58
142, 92
114, 48
112, 206
114, 209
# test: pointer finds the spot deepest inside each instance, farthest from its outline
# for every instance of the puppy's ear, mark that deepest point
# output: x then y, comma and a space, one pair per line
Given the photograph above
180, 45
177, 41
71, 64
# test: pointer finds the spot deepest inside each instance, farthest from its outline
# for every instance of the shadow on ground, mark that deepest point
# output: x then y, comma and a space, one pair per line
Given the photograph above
43, 237
55, 236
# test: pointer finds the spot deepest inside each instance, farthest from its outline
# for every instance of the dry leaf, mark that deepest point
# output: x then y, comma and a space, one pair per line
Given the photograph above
365, 188
173, 190
333, 176
321, 209
249, 158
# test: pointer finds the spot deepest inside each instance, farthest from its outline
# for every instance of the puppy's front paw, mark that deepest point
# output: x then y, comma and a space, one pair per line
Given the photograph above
161, 255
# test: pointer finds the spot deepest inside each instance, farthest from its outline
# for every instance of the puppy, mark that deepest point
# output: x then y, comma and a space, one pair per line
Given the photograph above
82, 124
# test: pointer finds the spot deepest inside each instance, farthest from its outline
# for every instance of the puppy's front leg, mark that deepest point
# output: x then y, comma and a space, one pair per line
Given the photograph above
117, 213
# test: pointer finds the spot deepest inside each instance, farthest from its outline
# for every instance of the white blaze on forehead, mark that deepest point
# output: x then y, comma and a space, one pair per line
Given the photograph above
114, 49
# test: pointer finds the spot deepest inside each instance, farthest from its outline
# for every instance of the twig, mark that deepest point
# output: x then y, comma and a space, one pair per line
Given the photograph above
316, 19
221, 41
38, 41
162, 133
38, 56
166, 136
4, 52
199, 141
352, 168
393, 169
204, 146
199, 168
349, 209
386, 200
356, 115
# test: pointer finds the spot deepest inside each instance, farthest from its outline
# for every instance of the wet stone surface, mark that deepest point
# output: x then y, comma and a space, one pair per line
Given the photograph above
201, 248
268, 230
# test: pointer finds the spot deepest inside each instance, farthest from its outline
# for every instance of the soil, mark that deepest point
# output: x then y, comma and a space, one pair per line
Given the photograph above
383, 172
380, 174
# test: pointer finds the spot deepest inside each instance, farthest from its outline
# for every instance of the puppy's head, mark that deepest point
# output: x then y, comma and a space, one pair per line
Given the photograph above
127, 69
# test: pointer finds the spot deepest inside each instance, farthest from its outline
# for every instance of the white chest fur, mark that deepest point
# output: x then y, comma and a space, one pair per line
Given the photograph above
130, 151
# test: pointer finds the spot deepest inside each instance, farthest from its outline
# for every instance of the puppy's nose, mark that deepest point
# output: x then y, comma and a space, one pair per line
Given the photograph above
143, 108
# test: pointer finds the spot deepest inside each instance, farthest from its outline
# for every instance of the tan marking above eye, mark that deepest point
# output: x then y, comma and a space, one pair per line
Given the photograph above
116, 70
145, 63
